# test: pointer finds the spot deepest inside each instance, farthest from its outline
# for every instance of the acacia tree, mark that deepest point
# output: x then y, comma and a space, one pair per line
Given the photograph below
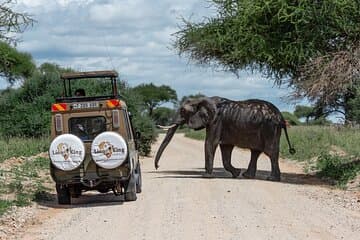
292, 42
153, 96
13, 64
304, 112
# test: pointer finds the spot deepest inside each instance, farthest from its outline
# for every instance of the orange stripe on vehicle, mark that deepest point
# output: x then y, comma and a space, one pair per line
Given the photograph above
113, 103
58, 107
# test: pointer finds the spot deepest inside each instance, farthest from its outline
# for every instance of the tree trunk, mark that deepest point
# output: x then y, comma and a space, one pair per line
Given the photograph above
350, 95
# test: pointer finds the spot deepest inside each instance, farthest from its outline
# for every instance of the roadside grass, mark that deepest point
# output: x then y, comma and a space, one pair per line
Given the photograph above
17, 146
198, 135
334, 153
24, 183
312, 141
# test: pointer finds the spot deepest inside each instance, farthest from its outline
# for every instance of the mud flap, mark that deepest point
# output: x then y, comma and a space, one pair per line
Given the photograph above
130, 188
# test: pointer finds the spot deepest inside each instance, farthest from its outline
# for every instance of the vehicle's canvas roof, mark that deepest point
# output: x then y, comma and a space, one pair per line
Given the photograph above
92, 74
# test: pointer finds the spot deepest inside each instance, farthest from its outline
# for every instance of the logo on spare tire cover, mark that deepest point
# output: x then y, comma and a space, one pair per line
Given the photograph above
109, 150
67, 152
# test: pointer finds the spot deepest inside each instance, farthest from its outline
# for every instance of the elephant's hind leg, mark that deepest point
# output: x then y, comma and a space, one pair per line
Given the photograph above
251, 171
226, 151
275, 170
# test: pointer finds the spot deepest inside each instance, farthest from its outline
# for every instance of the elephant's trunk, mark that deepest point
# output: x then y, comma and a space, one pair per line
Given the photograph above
170, 133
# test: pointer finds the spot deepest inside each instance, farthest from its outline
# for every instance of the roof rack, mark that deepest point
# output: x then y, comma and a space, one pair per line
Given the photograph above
92, 74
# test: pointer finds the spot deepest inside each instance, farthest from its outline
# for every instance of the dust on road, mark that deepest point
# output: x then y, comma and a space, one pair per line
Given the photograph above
177, 203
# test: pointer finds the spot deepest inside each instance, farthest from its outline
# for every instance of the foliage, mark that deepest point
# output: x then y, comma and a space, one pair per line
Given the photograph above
340, 169
142, 122
273, 36
27, 107
354, 105
12, 22
14, 64
331, 81
304, 112
163, 116
291, 118
153, 96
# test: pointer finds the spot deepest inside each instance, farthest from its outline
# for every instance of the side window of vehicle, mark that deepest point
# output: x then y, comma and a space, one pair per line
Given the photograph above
127, 123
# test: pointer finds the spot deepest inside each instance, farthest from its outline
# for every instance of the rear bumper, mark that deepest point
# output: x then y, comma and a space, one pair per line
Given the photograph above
91, 178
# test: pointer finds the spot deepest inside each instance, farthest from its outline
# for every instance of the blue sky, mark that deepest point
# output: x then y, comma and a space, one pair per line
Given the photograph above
133, 37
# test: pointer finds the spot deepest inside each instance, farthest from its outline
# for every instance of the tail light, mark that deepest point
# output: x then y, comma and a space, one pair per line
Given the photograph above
116, 118
58, 123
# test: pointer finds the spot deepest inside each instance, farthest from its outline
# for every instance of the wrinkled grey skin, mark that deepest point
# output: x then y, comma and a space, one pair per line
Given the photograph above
252, 124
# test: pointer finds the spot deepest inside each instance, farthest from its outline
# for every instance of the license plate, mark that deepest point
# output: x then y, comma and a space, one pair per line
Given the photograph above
85, 105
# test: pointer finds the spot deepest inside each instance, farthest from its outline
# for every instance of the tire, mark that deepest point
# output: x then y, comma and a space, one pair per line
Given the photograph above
63, 194
138, 179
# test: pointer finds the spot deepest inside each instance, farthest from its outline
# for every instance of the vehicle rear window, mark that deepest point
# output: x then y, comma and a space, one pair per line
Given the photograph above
87, 128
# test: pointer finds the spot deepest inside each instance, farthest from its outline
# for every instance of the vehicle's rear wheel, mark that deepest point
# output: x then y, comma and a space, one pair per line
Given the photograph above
138, 179
63, 194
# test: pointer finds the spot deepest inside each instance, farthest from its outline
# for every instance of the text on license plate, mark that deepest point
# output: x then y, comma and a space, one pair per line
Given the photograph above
85, 105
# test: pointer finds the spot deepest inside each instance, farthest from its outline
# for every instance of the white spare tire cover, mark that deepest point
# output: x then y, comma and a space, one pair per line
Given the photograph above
67, 152
109, 150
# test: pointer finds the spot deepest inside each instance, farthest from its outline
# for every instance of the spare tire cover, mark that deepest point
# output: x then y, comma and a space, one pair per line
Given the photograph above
109, 150
67, 152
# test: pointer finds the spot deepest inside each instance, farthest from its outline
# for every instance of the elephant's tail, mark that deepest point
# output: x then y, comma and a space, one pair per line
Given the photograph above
291, 149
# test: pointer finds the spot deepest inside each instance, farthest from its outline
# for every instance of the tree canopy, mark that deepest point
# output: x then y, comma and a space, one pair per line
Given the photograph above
13, 64
153, 96
313, 46
12, 22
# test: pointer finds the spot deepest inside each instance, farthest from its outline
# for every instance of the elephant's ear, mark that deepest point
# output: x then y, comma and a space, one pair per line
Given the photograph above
207, 110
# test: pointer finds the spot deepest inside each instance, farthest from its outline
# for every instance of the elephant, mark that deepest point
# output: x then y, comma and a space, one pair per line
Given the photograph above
253, 124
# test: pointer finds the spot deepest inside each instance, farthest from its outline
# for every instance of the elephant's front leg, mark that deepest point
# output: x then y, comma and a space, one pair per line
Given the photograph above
226, 151
210, 148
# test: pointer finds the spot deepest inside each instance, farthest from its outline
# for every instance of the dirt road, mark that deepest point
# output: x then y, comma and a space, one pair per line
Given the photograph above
177, 203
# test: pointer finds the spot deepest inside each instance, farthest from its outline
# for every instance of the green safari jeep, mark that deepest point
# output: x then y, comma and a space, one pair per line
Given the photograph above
94, 146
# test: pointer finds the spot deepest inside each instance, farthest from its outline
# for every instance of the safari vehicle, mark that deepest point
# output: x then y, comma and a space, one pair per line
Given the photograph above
93, 142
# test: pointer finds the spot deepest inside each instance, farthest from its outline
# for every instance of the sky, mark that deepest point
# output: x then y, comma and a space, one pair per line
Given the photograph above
134, 37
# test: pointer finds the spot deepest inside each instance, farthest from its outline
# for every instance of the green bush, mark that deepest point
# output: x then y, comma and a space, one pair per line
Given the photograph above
28, 107
340, 169
142, 122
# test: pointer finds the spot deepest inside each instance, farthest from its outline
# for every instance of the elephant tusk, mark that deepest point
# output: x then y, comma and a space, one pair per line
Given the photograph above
166, 127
